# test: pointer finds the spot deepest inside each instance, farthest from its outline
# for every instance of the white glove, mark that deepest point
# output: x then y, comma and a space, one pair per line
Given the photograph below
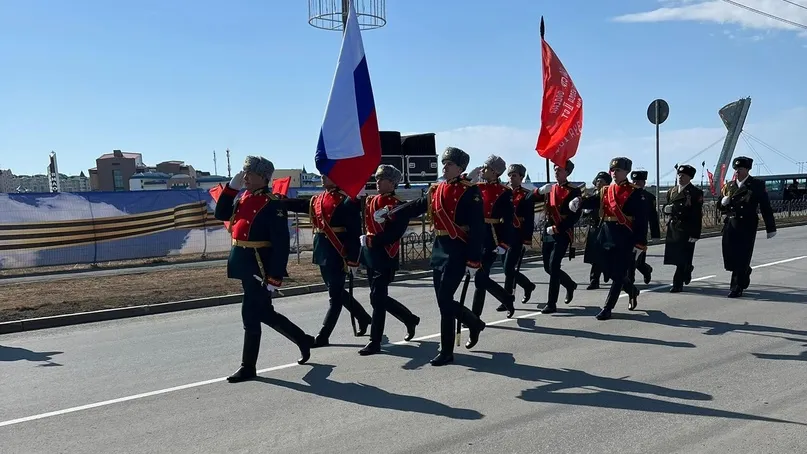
500, 250
692, 240
471, 271
354, 270
363, 240
771, 235
380, 215
668, 209
271, 288
237, 182
574, 205
725, 200
587, 211
545, 188
550, 230
637, 252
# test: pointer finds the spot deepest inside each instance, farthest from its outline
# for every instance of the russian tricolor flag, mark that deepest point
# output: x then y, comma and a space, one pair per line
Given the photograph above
349, 148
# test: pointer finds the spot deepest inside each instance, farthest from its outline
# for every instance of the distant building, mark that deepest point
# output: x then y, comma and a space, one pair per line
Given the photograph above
210, 181
149, 181
113, 170
40, 183
299, 177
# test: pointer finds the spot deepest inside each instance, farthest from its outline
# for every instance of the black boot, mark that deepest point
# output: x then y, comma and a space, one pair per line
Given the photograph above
371, 348
570, 293
357, 310
328, 325
249, 357
527, 293
410, 328
447, 333
292, 332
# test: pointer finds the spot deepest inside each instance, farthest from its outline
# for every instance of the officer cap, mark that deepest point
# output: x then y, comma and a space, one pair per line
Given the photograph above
638, 175
743, 161
569, 167
517, 168
457, 156
259, 165
388, 172
687, 169
621, 163
605, 176
496, 164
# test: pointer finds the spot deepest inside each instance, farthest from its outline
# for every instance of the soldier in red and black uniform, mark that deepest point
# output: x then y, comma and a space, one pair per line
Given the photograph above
458, 220
260, 252
558, 233
623, 231
524, 225
639, 179
336, 220
380, 247
497, 203
593, 255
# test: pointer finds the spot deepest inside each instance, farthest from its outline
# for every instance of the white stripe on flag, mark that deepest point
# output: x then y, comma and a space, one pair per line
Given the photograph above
341, 131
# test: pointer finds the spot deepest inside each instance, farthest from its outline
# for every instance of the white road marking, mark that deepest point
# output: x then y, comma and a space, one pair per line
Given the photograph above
105, 403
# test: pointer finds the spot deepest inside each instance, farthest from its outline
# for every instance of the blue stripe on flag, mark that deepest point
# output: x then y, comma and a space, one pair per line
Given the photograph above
324, 165
365, 104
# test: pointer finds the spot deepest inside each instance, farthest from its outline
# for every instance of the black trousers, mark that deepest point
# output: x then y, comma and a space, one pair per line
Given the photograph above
382, 303
623, 264
595, 274
553, 254
446, 282
641, 266
257, 308
513, 277
334, 278
484, 284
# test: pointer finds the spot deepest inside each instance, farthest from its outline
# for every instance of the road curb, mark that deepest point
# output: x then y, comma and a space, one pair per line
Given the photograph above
78, 318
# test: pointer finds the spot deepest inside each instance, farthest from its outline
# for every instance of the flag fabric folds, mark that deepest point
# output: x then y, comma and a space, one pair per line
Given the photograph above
280, 186
349, 147
561, 112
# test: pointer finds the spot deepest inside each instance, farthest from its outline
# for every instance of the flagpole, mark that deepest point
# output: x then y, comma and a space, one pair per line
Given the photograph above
542, 30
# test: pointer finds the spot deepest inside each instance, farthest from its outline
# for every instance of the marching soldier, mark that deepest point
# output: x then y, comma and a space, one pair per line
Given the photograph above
623, 235
458, 220
558, 233
639, 178
260, 252
497, 203
380, 246
739, 204
684, 209
336, 220
524, 224
593, 254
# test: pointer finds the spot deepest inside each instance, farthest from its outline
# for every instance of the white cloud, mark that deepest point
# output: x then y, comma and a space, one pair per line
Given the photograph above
785, 133
722, 12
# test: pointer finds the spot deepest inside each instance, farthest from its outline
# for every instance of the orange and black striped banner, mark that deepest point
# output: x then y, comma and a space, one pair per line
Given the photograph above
57, 234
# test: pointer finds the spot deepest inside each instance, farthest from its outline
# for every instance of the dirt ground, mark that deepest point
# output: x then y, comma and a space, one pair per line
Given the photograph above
41, 299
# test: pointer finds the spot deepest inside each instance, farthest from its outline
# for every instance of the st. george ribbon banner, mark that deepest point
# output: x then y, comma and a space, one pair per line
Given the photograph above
349, 147
561, 112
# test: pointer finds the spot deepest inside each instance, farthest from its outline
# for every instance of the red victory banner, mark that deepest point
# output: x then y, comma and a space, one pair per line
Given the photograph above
561, 112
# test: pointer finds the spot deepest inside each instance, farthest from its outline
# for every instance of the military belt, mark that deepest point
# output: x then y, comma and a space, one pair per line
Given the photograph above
445, 232
492, 221
615, 219
333, 229
251, 244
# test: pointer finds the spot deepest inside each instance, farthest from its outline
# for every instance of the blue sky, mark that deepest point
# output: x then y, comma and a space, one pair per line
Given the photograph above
176, 80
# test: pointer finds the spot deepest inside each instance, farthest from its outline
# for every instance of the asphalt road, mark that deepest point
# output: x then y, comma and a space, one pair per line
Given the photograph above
691, 372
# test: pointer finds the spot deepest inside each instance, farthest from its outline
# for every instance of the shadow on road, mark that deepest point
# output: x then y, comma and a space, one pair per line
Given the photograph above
23, 354
576, 387
712, 327
317, 383
755, 292
529, 325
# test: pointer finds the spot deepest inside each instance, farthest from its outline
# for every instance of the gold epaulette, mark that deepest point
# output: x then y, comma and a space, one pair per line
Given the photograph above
467, 182
398, 198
